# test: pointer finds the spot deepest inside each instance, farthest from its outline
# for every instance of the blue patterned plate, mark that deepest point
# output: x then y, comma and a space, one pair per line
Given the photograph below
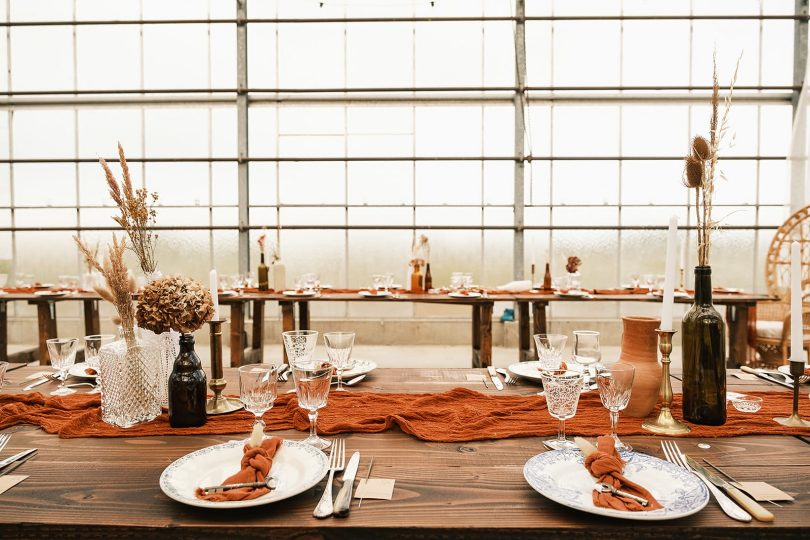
297, 466
561, 476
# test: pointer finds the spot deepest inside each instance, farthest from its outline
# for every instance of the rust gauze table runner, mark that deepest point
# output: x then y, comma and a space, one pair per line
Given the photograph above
453, 416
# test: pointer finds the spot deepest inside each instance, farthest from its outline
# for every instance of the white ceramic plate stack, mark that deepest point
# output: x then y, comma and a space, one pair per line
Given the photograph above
302, 293
361, 367
472, 294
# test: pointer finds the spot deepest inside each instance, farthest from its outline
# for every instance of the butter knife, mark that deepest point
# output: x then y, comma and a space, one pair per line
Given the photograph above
36, 383
495, 379
727, 505
16, 457
765, 376
17, 463
741, 498
343, 500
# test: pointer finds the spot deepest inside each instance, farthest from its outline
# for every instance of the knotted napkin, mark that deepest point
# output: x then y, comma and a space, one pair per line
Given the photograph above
256, 463
607, 466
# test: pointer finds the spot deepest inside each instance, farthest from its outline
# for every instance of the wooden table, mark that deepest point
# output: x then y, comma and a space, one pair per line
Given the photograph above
108, 488
737, 307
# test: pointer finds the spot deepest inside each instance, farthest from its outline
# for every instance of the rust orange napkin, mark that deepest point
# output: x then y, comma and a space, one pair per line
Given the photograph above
607, 466
256, 463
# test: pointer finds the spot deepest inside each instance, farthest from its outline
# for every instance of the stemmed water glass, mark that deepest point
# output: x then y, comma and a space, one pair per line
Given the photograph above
615, 384
562, 388
63, 355
299, 344
92, 347
339, 348
388, 280
550, 349
378, 282
312, 380
587, 353
257, 389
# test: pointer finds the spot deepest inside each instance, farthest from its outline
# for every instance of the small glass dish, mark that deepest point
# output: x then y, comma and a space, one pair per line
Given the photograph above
747, 404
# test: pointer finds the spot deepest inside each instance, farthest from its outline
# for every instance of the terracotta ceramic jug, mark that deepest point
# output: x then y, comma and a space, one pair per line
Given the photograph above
640, 348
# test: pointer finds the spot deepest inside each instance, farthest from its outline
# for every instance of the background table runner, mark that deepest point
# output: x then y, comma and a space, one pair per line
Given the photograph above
454, 416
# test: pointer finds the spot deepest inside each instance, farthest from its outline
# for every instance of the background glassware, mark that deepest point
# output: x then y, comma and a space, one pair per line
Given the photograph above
3, 280
615, 384
649, 281
562, 388
389, 280
378, 281
3, 369
250, 280
456, 281
550, 348
257, 389
635, 280
467, 281
339, 348
587, 352
311, 282
312, 381
23, 280
299, 344
92, 347
63, 355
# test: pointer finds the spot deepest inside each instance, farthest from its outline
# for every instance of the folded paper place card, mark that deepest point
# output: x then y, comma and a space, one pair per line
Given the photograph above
9, 481
746, 376
474, 377
763, 491
375, 488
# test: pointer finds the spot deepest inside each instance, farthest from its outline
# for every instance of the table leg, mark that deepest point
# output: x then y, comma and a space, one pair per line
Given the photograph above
739, 353
486, 334
303, 315
46, 319
3, 332
237, 329
476, 335
287, 323
257, 340
92, 325
524, 346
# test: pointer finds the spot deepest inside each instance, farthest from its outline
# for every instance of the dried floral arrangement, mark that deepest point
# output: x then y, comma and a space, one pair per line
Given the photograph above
261, 241
700, 165
420, 250
573, 264
174, 303
120, 284
94, 253
137, 208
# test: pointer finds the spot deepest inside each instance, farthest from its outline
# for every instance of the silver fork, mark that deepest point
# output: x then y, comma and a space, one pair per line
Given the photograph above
285, 375
4, 438
337, 461
507, 377
674, 455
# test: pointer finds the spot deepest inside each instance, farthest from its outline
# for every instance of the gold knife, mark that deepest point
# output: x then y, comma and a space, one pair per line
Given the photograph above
741, 498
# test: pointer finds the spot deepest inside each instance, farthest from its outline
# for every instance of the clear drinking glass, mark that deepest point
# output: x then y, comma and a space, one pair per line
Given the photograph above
587, 353
562, 388
339, 348
312, 380
257, 389
550, 348
635, 280
467, 282
311, 282
299, 344
92, 346
63, 355
456, 281
378, 282
649, 281
615, 384
389, 280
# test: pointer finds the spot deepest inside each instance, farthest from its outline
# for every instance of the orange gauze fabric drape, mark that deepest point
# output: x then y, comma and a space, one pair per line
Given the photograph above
254, 467
456, 415
606, 465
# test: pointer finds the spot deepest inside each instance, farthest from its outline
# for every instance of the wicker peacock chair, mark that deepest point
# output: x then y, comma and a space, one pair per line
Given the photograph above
769, 334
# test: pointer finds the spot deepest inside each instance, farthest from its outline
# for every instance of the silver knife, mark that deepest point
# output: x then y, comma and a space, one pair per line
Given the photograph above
741, 498
344, 497
36, 383
765, 376
9, 460
17, 463
729, 507
495, 379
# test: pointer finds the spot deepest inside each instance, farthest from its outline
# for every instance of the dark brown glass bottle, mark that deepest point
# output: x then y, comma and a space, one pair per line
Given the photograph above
547, 278
704, 357
263, 274
428, 278
187, 387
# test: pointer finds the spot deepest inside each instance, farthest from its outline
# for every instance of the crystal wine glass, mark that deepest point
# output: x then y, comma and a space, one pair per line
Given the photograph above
378, 282
389, 280
615, 384
92, 346
587, 353
63, 355
339, 348
550, 349
257, 389
312, 381
562, 388
635, 280
299, 344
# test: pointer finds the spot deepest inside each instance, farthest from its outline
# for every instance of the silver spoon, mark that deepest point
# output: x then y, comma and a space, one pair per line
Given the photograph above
607, 488
269, 483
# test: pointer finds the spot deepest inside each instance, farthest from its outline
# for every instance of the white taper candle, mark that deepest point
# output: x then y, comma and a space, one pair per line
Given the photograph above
796, 332
213, 284
669, 275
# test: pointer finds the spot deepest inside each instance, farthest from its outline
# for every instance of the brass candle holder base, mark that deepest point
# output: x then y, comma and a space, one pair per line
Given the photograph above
794, 420
218, 404
665, 423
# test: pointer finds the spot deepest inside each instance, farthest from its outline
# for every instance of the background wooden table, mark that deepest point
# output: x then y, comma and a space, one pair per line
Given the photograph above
108, 488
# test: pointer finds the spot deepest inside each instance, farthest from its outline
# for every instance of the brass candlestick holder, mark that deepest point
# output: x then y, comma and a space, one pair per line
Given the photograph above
218, 404
794, 420
664, 423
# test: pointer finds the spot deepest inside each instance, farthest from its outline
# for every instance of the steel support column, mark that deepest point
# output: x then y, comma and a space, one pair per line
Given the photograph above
242, 135
519, 101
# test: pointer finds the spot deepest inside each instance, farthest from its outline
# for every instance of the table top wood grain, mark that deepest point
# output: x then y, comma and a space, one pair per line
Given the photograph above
108, 488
